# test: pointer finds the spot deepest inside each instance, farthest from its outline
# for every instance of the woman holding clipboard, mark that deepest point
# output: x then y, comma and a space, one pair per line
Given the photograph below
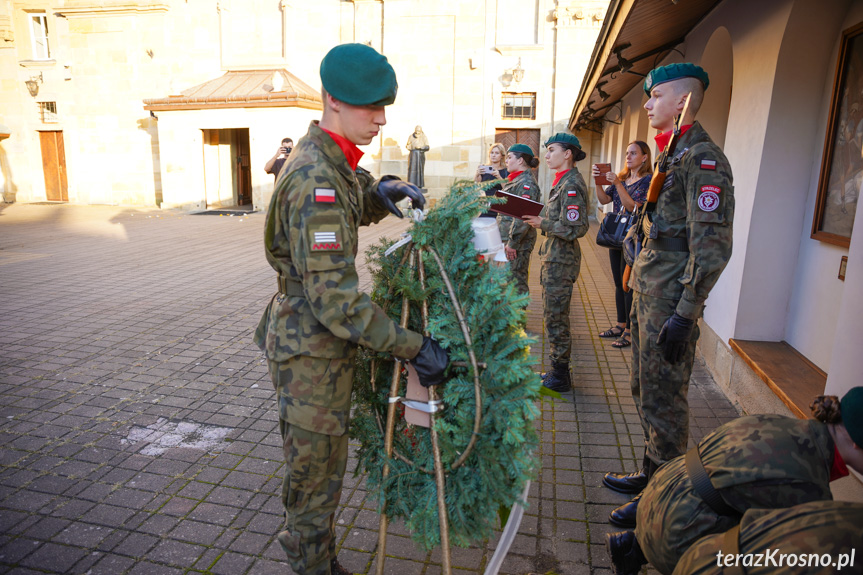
517, 236
562, 221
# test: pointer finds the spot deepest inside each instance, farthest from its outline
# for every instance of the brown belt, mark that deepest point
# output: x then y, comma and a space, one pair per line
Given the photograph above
290, 287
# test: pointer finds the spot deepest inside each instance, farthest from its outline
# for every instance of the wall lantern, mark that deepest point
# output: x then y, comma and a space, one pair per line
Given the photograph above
518, 72
33, 84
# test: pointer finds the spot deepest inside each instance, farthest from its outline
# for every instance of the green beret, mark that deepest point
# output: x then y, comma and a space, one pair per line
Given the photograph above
851, 408
568, 139
563, 138
521, 149
358, 75
671, 72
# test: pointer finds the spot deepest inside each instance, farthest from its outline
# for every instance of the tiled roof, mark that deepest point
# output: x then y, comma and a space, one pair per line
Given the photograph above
243, 89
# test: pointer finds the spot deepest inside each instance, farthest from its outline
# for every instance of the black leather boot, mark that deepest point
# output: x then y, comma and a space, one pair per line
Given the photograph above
558, 378
625, 553
337, 569
629, 483
624, 516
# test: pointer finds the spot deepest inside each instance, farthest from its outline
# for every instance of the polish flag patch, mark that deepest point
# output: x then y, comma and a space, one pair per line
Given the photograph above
572, 193
708, 164
526, 187
325, 195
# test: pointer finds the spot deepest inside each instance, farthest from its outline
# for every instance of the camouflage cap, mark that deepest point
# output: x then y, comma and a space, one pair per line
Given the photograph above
521, 149
671, 72
568, 139
358, 75
851, 406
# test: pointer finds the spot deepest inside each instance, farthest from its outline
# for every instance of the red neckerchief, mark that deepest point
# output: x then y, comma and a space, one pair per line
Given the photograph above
348, 148
839, 468
558, 176
514, 175
663, 138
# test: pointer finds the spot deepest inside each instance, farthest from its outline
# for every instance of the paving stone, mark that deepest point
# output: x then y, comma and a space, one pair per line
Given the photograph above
147, 337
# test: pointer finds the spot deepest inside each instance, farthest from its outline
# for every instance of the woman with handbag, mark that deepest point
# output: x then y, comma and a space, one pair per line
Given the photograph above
628, 190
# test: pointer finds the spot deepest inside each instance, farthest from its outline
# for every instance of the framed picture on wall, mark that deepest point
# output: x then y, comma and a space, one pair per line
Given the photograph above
842, 164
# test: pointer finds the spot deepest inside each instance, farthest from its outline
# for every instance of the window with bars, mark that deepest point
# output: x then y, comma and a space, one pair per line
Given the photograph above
39, 36
48, 111
518, 105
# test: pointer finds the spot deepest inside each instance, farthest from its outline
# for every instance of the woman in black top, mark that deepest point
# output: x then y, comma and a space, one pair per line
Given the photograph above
494, 170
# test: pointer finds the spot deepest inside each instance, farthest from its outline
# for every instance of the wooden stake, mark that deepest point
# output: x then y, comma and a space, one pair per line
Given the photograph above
388, 436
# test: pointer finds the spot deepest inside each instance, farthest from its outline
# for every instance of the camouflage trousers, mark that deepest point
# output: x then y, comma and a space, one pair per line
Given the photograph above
520, 267
672, 516
816, 528
659, 388
557, 280
315, 465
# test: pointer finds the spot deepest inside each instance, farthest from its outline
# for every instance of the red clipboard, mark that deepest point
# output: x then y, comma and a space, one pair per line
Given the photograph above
516, 206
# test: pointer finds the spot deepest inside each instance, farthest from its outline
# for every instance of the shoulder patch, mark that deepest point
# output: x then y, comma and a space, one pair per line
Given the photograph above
325, 195
708, 200
326, 238
572, 213
526, 187
708, 164
572, 193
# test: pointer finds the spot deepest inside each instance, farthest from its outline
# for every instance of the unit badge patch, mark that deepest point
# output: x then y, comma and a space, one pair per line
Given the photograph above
326, 242
572, 213
526, 196
708, 200
325, 195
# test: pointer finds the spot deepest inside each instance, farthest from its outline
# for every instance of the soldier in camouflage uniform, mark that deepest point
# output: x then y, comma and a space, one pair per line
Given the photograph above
562, 221
311, 329
759, 461
518, 237
822, 532
687, 245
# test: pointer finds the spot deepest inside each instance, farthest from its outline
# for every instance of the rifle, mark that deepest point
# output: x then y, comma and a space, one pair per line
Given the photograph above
635, 237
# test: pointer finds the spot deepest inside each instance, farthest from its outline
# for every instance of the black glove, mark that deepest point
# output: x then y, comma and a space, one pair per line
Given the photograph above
392, 190
674, 335
430, 363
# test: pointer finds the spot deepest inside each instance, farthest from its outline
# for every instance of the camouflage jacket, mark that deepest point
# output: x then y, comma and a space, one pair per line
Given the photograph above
696, 203
311, 241
819, 528
517, 235
564, 219
759, 461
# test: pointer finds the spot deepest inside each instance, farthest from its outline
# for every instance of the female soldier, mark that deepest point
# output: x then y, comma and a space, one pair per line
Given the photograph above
760, 461
563, 220
519, 238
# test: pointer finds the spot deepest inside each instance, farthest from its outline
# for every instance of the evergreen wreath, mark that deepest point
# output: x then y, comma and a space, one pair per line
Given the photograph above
489, 476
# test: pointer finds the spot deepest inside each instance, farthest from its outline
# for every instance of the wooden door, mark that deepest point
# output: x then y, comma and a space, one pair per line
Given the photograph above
527, 136
54, 166
244, 168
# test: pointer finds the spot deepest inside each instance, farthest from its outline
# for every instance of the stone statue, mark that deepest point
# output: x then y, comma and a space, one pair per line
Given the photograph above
418, 145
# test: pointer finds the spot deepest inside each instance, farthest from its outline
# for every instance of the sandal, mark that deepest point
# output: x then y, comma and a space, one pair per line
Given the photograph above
613, 331
622, 341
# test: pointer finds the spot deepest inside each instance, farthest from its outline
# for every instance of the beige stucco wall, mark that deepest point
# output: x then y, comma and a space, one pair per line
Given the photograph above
449, 56
780, 283
182, 148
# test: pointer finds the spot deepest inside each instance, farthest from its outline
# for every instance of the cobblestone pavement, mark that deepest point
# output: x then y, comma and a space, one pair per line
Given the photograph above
137, 425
